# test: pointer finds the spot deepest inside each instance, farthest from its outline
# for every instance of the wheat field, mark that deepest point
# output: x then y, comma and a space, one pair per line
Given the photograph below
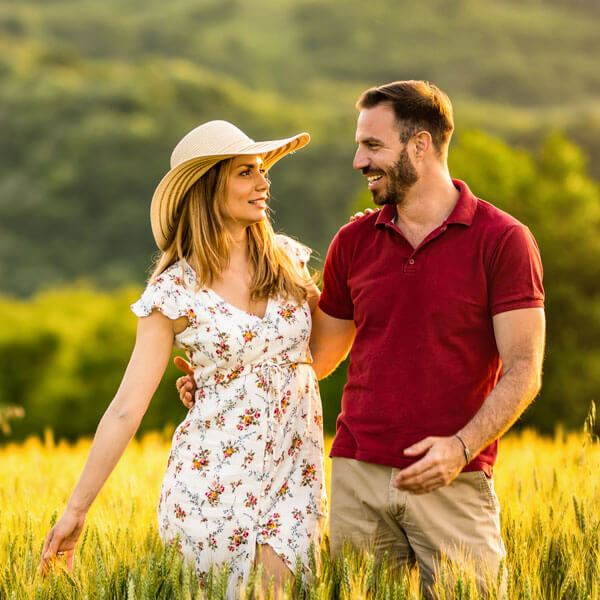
548, 489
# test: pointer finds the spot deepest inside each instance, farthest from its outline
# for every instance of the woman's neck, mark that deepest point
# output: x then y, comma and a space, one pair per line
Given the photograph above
238, 243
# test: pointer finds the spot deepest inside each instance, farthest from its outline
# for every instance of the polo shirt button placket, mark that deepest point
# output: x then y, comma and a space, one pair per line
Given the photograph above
409, 266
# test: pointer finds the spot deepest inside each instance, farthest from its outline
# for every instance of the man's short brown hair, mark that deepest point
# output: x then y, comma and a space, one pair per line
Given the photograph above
418, 106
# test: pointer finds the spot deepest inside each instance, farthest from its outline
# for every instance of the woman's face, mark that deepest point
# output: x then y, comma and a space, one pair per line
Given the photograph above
247, 191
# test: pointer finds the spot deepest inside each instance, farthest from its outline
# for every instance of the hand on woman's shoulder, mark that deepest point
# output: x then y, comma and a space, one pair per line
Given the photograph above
295, 249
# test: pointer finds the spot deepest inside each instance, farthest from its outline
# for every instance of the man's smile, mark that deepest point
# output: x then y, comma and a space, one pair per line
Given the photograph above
373, 178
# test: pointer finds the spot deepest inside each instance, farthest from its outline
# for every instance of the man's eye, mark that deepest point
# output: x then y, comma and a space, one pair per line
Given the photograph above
245, 172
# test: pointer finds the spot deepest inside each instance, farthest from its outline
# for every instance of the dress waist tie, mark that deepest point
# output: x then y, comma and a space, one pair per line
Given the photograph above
272, 376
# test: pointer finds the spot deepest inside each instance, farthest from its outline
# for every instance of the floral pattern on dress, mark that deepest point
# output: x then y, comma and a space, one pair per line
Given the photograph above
246, 464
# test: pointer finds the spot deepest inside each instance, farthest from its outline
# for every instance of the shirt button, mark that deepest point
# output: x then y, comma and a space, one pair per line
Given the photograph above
411, 261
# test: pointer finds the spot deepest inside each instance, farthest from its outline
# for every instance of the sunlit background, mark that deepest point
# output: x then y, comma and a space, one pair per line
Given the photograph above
95, 93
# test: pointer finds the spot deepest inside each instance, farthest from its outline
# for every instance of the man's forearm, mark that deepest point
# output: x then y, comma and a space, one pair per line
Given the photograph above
515, 390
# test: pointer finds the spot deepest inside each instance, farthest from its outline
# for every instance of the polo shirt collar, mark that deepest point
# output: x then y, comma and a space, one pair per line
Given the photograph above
463, 212
386, 215
465, 208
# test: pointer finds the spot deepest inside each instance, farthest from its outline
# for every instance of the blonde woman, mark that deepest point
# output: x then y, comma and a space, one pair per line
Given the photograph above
244, 480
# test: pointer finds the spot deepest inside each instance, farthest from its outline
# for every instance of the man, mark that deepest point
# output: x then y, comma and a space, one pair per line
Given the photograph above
439, 297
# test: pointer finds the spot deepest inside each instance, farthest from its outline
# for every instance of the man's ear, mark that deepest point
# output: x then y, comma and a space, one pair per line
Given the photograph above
422, 144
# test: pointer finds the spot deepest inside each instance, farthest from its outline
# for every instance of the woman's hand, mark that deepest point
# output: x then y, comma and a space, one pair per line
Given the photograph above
360, 214
61, 540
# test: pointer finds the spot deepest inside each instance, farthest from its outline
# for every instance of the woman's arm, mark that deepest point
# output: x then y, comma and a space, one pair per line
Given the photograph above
153, 346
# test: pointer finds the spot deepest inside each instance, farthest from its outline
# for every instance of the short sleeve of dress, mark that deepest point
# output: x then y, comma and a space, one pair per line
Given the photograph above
295, 249
166, 293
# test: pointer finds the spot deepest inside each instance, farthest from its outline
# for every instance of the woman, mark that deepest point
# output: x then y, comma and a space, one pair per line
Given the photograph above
244, 481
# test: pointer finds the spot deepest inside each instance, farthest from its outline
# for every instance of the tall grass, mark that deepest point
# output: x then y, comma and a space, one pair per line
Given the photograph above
548, 489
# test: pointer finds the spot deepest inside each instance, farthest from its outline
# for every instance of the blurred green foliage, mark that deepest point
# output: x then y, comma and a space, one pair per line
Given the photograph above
63, 354
552, 194
94, 94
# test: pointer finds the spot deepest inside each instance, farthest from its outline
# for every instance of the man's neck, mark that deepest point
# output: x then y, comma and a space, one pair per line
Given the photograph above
427, 205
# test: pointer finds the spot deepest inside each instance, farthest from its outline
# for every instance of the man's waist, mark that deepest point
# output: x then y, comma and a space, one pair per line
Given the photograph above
484, 461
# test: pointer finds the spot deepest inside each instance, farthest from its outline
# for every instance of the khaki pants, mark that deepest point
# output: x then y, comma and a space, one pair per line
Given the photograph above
460, 522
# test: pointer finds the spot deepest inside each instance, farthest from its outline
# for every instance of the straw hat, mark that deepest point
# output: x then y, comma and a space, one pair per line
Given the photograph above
196, 153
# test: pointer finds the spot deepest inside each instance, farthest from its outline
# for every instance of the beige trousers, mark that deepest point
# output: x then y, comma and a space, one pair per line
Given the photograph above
459, 523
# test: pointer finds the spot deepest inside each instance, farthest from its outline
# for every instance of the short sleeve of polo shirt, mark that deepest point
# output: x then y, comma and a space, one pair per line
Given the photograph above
335, 299
515, 276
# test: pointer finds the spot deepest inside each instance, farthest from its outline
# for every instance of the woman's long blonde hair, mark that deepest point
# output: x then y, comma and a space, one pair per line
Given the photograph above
202, 240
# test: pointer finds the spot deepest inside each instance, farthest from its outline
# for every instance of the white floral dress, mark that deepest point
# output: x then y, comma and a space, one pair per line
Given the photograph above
246, 464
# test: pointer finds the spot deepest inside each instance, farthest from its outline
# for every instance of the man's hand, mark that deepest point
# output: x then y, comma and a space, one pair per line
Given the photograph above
362, 213
186, 385
443, 458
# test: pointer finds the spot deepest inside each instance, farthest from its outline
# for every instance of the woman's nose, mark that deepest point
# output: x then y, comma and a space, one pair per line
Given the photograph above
263, 182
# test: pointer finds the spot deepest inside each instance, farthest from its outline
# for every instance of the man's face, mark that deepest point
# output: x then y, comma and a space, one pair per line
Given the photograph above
382, 157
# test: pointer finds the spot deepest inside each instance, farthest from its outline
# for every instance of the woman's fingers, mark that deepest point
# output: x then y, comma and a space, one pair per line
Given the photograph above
70, 555
51, 551
47, 542
61, 541
43, 567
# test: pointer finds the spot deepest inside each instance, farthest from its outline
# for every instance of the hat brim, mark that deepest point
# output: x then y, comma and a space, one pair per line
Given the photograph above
167, 198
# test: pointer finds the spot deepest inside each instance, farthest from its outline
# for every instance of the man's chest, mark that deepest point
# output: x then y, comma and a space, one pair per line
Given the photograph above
441, 281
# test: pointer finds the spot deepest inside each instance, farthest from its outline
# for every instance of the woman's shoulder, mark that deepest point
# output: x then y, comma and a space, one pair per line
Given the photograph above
293, 248
167, 292
179, 274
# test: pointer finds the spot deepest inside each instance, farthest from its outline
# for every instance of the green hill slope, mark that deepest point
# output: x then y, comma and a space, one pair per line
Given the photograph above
95, 93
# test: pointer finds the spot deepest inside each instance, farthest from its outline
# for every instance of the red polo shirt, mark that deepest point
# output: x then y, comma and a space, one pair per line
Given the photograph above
424, 358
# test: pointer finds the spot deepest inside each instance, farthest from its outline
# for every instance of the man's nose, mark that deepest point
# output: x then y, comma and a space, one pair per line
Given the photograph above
360, 159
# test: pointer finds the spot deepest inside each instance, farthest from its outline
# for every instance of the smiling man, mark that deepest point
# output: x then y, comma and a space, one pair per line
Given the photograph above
439, 299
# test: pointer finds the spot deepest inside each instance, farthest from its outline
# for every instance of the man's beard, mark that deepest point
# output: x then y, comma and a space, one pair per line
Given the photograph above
401, 177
